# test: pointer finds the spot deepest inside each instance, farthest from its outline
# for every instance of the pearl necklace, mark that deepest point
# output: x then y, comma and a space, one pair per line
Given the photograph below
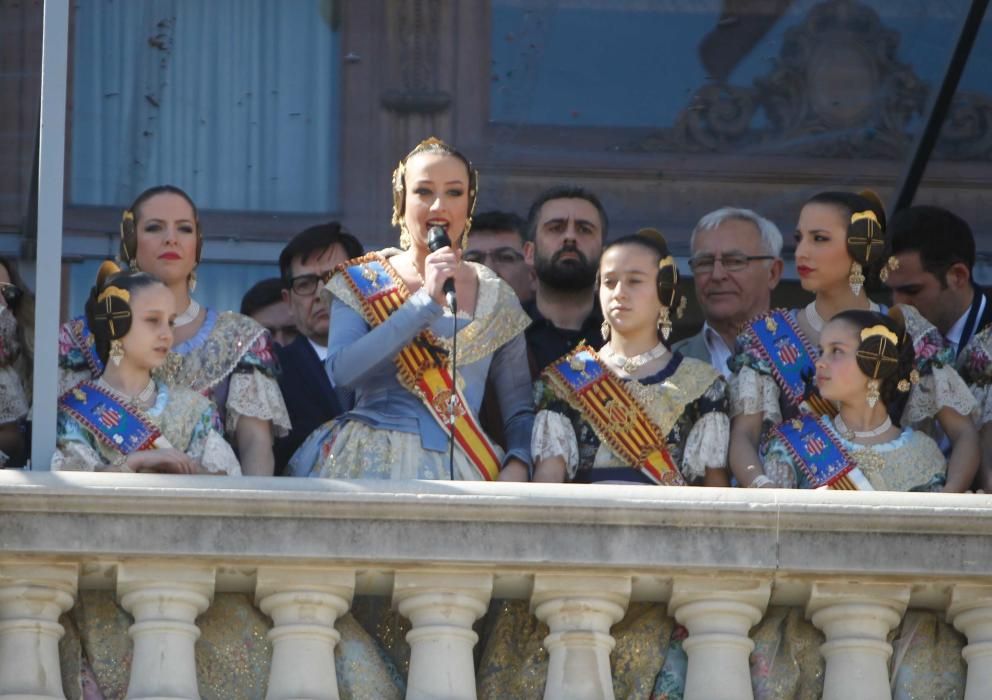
816, 321
860, 434
142, 398
632, 364
187, 316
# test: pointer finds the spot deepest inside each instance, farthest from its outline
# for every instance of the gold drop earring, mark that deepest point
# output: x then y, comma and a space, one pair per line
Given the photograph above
873, 395
116, 353
856, 278
605, 331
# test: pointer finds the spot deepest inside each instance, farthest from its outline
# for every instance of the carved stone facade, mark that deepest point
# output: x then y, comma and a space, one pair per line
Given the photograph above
836, 90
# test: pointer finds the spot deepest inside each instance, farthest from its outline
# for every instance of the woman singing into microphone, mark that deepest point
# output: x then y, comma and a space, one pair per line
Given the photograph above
391, 344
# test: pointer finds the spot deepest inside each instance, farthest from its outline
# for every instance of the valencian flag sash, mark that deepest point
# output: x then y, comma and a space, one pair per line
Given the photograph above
421, 371
820, 454
117, 425
581, 379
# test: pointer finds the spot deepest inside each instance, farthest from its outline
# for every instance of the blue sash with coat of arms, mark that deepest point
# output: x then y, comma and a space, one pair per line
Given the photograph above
120, 427
817, 451
778, 340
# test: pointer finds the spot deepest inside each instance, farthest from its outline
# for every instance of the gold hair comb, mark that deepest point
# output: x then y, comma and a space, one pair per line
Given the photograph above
113, 291
879, 330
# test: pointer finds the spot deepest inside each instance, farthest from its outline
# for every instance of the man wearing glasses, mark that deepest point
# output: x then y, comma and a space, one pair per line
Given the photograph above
497, 241
305, 265
736, 263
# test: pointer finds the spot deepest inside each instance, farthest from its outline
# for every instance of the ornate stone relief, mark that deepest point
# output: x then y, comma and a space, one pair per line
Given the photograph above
416, 55
836, 89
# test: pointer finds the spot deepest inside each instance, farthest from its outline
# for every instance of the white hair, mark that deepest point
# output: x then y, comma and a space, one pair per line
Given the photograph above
771, 237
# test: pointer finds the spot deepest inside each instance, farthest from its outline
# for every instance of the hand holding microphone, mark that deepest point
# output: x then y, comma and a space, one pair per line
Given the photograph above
440, 266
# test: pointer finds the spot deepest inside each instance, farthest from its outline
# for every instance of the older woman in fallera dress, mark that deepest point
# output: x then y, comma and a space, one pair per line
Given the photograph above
223, 355
396, 354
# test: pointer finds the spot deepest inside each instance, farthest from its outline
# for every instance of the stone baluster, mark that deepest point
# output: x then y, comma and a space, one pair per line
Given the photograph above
304, 604
165, 600
971, 612
579, 611
442, 607
718, 614
856, 618
32, 597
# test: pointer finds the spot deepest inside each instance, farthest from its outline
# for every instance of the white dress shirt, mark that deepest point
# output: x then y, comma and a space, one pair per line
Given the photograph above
720, 353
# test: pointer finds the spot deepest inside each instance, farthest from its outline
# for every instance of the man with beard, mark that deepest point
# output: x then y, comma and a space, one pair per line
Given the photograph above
568, 226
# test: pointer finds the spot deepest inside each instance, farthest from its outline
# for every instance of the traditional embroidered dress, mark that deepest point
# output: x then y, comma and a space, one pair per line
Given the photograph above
394, 430
770, 367
686, 401
13, 394
910, 462
229, 360
187, 420
975, 367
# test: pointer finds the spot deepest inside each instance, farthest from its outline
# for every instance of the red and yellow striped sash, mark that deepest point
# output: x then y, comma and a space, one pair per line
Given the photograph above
421, 370
619, 421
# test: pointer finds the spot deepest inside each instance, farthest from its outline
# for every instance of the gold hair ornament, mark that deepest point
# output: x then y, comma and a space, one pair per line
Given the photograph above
861, 246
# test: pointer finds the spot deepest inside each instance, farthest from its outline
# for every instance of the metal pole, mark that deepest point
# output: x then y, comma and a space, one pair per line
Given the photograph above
940, 105
51, 176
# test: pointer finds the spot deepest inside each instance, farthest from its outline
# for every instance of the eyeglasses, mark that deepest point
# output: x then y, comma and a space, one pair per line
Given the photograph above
305, 285
500, 256
733, 262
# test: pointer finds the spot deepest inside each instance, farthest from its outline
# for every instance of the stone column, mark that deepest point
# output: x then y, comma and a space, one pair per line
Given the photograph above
579, 611
718, 613
304, 604
442, 607
165, 600
971, 612
32, 597
856, 619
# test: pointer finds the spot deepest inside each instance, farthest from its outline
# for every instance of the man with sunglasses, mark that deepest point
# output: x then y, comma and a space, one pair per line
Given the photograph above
305, 265
736, 263
497, 241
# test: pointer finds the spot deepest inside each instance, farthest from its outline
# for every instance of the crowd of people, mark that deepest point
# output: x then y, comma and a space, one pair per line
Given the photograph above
556, 361
494, 347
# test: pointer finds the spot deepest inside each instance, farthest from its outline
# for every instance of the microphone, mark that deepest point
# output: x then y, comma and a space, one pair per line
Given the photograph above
437, 239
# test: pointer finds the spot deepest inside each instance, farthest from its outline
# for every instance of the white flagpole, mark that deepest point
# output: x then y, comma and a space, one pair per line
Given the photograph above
51, 179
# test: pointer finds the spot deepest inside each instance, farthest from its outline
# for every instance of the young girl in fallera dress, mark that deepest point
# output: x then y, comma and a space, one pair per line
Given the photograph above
125, 420
866, 368
681, 402
592, 405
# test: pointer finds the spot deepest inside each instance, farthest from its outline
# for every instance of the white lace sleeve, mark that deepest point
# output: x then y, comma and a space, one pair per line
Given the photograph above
13, 400
983, 395
939, 389
218, 457
79, 457
68, 378
754, 392
255, 395
554, 437
706, 446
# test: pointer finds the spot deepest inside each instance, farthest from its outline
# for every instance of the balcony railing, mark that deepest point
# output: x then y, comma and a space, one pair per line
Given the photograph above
853, 562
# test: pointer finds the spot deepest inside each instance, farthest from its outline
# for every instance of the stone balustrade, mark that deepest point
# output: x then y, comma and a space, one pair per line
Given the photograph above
853, 563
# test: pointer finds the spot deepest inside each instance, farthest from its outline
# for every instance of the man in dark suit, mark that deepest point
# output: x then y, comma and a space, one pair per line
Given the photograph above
935, 250
305, 265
